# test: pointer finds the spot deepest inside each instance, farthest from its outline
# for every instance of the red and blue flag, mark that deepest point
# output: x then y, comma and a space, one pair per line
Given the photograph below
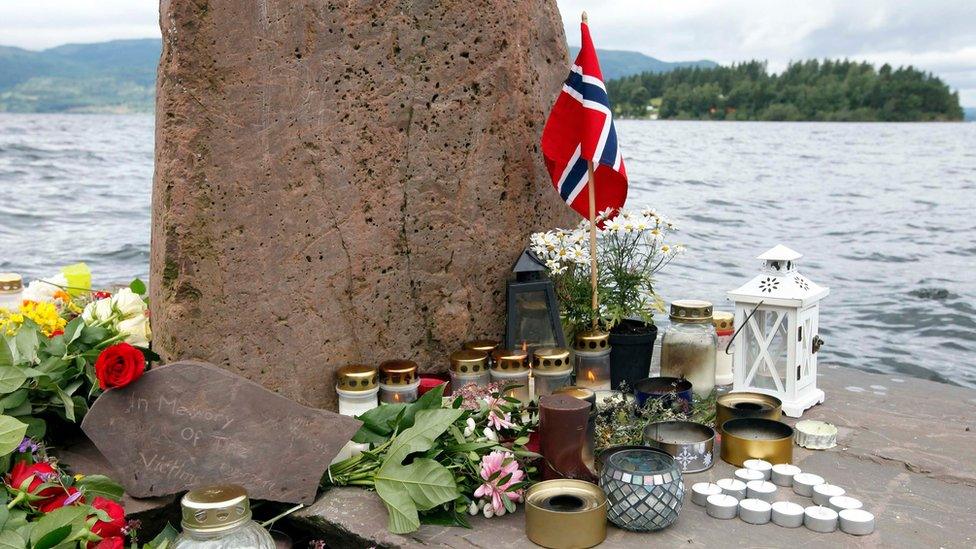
580, 130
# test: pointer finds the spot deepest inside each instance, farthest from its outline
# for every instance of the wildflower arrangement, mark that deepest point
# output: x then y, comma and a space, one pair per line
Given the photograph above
620, 421
470, 457
632, 246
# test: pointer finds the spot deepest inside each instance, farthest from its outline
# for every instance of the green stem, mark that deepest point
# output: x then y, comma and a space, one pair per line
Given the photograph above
20, 497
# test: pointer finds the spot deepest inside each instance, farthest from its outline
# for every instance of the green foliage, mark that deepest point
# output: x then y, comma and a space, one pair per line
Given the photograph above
824, 90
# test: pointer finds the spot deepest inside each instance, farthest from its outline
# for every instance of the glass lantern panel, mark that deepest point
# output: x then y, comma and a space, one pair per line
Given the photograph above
767, 348
532, 320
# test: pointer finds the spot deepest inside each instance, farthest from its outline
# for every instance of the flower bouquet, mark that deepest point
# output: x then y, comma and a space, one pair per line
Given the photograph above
437, 459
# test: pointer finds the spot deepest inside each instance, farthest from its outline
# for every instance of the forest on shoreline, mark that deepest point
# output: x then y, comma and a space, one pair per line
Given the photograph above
821, 90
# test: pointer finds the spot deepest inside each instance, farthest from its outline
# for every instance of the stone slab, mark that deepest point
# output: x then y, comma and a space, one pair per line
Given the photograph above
190, 424
907, 453
342, 182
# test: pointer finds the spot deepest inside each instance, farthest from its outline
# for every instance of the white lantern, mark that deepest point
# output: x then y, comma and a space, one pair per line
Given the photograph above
776, 348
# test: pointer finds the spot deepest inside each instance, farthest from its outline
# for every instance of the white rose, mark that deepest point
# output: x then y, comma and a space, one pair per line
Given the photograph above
128, 303
136, 330
42, 291
97, 311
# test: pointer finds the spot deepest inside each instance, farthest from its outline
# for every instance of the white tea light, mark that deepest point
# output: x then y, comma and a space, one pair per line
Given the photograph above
782, 474
747, 475
815, 435
820, 519
732, 487
721, 506
761, 465
839, 503
803, 483
701, 490
856, 522
823, 492
787, 514
755, 511
761, 489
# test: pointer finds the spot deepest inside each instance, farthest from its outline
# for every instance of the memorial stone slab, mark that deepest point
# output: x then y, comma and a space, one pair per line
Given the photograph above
190, 424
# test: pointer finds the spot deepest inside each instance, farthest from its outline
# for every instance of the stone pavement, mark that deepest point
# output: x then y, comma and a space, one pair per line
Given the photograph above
907, 449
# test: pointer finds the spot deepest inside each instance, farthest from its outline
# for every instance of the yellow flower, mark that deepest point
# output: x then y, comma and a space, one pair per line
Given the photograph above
45, 315
665, 249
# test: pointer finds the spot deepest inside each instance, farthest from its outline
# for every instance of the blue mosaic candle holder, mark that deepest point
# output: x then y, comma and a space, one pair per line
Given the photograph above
644, 489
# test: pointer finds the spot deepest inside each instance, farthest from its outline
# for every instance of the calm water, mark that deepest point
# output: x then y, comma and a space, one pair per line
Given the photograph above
882, 212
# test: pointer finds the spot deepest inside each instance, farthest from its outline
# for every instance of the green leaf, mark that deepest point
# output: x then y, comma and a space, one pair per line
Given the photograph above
11, 434
138, 287
378, 423
14, 399
73, 329
56, 526
405, 490
444, 517
100, 485
9, 539
36, 427
11, 379
164, 538
69, 405
93, 335
26, 343
419, 438
6, 356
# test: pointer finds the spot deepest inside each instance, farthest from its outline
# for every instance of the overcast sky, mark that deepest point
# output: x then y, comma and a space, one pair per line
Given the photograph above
936, 35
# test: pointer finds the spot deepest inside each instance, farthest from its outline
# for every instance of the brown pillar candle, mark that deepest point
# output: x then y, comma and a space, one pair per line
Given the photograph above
562, 435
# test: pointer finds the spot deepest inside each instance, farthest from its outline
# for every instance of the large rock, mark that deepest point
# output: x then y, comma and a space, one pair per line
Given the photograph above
345, 181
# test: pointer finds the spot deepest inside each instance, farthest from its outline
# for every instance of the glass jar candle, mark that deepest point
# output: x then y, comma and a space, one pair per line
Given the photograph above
512, 368
219, 517
468, 368
551, 369
592, 350
589, 395
11, 291
688, 346
724, 328
356, 386
398, 381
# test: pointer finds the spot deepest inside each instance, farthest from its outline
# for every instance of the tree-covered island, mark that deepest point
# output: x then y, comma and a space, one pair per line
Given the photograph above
807, 90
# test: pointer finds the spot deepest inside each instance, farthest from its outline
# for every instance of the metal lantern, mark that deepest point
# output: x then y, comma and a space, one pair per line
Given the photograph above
777, 313
533, 312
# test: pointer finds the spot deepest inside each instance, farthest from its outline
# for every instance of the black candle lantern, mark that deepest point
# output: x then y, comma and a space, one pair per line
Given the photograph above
533, 312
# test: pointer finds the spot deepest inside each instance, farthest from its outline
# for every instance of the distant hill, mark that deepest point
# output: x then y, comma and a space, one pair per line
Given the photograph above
115, 76
969, 113
620, 63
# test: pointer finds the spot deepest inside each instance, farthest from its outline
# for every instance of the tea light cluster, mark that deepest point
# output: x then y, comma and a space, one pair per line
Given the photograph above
751, 496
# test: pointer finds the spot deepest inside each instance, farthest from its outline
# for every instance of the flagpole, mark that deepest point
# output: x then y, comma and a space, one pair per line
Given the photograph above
591, 185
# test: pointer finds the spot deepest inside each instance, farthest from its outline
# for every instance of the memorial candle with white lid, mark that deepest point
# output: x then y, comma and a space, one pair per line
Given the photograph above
356, 387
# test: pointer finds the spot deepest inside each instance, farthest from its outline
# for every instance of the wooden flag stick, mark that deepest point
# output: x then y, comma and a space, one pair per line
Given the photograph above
591, 185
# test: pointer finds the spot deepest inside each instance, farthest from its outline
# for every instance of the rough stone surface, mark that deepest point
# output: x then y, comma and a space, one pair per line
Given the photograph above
190, 424
345, 181
905, 449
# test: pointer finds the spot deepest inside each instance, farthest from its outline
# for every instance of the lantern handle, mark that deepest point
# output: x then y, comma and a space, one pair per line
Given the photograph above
744, 322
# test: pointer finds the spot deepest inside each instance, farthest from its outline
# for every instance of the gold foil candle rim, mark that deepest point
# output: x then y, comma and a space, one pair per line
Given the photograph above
756, 438
356, 377
484, 345
592, 341
551, 360
398, 372
11, 282
723, 321
469, 361
691, 311
566, 513
507, 360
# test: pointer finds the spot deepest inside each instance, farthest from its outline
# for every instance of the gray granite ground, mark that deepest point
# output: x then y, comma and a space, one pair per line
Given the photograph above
907, 449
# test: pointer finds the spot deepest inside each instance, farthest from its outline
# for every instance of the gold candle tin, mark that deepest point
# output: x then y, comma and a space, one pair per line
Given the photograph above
757, 438
356, 377
745, 404
566, 514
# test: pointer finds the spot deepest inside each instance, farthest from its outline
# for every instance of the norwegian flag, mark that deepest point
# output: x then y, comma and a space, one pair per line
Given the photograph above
580, 129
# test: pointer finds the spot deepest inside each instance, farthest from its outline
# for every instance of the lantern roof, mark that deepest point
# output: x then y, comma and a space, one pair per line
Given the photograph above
528, 262
779, 282
781, 253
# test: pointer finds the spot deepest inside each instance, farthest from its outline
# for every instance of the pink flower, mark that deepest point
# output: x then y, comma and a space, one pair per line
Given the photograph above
495, 467
500, 422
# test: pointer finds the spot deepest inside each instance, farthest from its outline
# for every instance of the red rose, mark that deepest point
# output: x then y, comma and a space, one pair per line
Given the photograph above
65, 498
114, 542
119, 365
110, 529
41, 472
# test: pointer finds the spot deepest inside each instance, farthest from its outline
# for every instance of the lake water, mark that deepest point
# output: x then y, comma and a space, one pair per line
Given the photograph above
883, 214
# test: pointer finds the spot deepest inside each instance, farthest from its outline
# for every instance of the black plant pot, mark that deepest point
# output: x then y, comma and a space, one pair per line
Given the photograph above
631, 346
